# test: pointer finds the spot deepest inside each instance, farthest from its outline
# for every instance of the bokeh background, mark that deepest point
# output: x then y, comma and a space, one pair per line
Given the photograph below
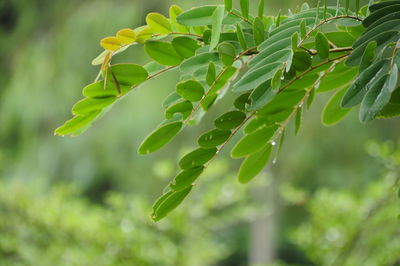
328, 200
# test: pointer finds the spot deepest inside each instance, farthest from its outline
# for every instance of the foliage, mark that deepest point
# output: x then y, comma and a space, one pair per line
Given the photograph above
276, 64
347, 228
58, 226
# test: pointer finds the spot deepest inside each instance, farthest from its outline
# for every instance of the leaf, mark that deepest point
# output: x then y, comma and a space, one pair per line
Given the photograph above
368, 21
191, 90
75, 125
261, 5
368, 56
168, 203
287, 99
211, 74
111, 43
163, 53
174, 12
97, 90
126, 36
253, 142
185, 108
228, 5
159, 137
322, 45
298, 120
128, 74
337, 78
378, 96
260, 96
186, 178
244, 6
198, 61
213, 138
283, 56
295, 41
241, 101
301, 60
254, 164
258, 31
171, 99
217, 17
143, 33
198, 16
240, 37
276, 80
197, 158
303, 29
363, 83
230, 120
255, 78
158, 23
265, 121
86, 106
276, 47
184, 46
333, 112
227, 53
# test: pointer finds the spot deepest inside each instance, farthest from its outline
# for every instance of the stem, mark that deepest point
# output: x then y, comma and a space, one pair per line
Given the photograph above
239, 16
311, 69
333, 50
323, 22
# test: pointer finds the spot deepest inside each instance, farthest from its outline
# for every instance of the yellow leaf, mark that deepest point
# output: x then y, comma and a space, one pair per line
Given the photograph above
110, 43
126, 36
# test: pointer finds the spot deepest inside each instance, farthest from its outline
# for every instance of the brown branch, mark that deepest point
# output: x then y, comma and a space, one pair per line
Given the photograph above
239, 16
333, 50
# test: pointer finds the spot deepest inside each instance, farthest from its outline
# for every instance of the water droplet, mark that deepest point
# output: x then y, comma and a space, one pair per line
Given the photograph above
273, 143
300, 105
274, 161
282, 78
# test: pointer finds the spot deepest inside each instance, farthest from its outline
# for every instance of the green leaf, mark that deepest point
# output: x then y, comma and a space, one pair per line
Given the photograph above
244, 6
241, 38
380, 13
159, 137
77, 125
198, 61
254, 164
198, 16
322, 45
261, 5
363, 83
337, 78
253, 142
211, 74
163, 53
158, 23
241, 101
265, 121
97, 90
230, 120
378, 96
213, 138
301, 60
260, 96
255, 78
168, 203
171, 99
298, 120
86, 106
333, 112
287, 99
368, 56
258, 31
228, 5
186, 178
185, 108
303, 29
129, 74
276, 47
197, 158
295, 40
217, 17
174, 12
227, 53
191, 90
276, 80
184, 46
284, 56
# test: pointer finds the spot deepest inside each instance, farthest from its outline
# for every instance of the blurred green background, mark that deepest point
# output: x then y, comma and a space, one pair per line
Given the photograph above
328, 200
